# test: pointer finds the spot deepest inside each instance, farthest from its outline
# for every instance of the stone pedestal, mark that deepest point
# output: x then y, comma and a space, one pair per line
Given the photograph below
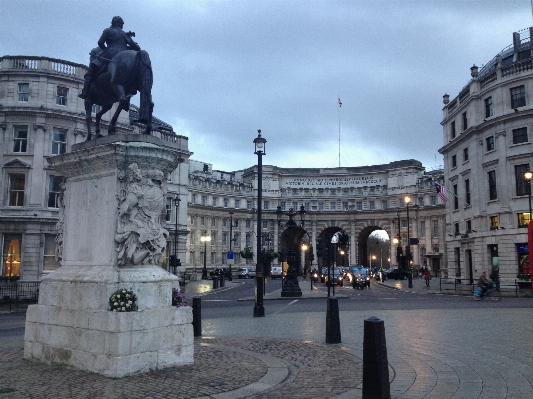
111, 237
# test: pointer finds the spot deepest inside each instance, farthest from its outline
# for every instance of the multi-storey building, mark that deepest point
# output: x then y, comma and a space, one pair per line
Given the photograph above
353, 200
487, 149
41, 116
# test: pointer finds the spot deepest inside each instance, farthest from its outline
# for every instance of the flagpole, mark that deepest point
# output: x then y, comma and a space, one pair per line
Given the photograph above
339, 110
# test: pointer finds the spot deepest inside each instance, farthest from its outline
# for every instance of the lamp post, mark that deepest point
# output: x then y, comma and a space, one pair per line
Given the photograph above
260, 150
407, 199
398, 241
528, 176
205, 239
291, 287
174, 262
230, 278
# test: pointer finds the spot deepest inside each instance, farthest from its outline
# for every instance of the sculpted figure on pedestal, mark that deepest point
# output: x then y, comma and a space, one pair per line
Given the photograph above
140, 236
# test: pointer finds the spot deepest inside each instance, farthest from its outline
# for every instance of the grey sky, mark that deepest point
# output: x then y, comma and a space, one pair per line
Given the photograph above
223, 69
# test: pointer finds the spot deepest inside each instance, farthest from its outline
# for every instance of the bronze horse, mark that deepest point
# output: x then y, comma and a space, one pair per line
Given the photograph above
127, 72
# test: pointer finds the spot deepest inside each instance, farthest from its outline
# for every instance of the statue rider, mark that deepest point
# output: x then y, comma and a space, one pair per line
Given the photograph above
117, 40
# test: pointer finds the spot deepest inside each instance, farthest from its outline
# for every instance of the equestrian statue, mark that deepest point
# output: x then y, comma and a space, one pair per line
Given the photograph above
118, 69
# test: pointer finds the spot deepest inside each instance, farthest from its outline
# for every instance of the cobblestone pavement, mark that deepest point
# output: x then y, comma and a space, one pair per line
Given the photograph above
473, 352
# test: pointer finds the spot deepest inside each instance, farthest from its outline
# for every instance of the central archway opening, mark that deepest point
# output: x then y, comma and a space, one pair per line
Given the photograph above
374, 248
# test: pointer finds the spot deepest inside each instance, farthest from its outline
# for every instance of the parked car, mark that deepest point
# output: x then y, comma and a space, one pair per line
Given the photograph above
246, 272
395, 274
337, 277
276, 272
218, 272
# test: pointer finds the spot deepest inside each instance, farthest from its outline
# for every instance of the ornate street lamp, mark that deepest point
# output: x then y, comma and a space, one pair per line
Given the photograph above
528, 176
407, 200
291, 287
260, 150
205, 239
174, 262
231, 239
398, 241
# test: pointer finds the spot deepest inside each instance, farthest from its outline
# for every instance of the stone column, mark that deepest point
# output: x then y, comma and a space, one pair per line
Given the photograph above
111, 237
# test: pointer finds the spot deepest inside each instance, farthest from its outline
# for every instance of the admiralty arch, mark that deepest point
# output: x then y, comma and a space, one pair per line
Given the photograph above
355, 201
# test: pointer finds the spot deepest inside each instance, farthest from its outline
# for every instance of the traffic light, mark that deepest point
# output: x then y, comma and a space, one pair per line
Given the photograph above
318, 248
173, 261
178, 263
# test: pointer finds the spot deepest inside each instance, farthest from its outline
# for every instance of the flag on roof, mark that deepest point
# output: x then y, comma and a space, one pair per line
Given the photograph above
441, 190
339, 101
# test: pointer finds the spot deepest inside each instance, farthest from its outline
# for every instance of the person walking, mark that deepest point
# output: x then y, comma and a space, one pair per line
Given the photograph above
427, 276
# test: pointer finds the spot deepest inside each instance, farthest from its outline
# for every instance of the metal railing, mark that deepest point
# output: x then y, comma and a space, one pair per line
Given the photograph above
19, 292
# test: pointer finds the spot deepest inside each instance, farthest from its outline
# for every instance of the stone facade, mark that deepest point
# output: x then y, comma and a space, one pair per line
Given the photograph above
487, 132
356, 200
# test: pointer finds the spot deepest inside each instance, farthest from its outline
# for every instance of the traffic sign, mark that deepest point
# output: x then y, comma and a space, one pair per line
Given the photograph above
413, 241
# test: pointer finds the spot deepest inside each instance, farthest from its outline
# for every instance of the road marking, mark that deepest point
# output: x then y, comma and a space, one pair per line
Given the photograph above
289, 304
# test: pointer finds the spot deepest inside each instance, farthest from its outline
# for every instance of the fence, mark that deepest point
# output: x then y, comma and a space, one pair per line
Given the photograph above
459, 286
18, 293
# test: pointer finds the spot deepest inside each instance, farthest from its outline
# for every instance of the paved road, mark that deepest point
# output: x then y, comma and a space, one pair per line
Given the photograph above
439, 346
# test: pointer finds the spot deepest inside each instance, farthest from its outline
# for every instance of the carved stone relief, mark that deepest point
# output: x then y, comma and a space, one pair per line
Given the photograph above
140, 235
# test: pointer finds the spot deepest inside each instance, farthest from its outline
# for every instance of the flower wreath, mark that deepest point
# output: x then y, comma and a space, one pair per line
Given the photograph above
123, 300
178, 299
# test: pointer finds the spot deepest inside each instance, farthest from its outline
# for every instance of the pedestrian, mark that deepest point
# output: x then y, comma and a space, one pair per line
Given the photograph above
427, 276
495, 277
421, 273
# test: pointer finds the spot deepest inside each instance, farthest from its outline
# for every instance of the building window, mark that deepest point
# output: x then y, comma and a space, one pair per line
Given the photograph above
49, 256
522, 186
420, 201
224, 222
193, 199
225, 202
422, 228
494, 222
16, 190
24, 92
372, 205
488, 107
435, 230
20, 138
283, 205
204, 200
59, 141
523, 219
11, 255
454, 161
191, 220
54, 191
202, 220
214, 201
344, 206
489, 141
453, 130
493, 193
384, 204
520, 135
248, 223
404, 223
433, 200
465, 122
456, 229
266, 205
265, 224
237, 204
468, 226
467, 191
359, 205
224, 238
248, 204
307, 206
518, 96
248, 240
455, 197
465, 154
332, 206
320, 206
62, 95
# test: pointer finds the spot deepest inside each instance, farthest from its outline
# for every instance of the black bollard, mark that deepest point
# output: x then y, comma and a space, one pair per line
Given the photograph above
375, 364
333, 324
215, 282
222, 281
197, 316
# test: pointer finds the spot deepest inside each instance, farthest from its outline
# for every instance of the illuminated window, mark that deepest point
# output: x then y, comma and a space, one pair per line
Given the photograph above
523, 219
494, 222
11, 255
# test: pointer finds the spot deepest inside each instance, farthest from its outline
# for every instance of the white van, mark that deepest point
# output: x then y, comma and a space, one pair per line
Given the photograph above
276, 272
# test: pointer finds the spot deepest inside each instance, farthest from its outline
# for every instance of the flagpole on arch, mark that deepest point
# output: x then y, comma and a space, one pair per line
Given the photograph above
340, 105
